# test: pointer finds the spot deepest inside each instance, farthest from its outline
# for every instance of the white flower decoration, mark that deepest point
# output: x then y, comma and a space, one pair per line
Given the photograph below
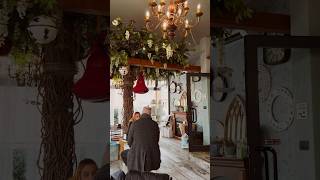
164, 45
143, 48
127, 34
116, 21
149, 55
169, 51
150, 43
156, 48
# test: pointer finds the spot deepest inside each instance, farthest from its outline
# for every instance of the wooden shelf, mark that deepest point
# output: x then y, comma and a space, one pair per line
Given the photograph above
173, 67
260, 22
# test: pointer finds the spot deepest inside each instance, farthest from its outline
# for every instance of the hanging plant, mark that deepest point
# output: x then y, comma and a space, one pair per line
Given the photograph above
126, 41
237, 8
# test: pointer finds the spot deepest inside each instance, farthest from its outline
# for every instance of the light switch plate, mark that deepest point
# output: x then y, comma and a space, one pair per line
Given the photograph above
302, 111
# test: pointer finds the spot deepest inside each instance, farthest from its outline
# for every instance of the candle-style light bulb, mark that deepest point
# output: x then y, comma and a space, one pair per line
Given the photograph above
159, 9
187, 24
168, 14
199, 12
199, 8
179, 11
186, 4
147, 16
164, 26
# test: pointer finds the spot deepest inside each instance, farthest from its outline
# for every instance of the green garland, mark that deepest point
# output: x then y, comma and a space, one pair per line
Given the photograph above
237, 8
126, 41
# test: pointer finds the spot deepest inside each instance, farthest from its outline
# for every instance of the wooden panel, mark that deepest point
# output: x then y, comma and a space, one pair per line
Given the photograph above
96, 7
260, 22
173, 67
234, 169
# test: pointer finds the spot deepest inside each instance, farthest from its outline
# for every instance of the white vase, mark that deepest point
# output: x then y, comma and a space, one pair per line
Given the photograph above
43, 29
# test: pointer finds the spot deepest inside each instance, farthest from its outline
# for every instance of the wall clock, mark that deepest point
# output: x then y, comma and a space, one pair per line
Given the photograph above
219, 85
275, 56
264, 82
281, 109
178, 89
197, 96
196, 78
173, 87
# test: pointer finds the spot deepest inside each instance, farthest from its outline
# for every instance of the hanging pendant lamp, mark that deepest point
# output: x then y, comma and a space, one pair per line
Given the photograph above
94, 85
140, 87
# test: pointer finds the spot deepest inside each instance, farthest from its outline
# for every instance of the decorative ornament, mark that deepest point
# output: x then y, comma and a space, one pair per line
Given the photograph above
197, 96
43, 29
149, 55
169, 51
150, 43
94, 85
276, 56
156, 49
281, 109
127, 35
116, 21
178, 89
124, 70
173, 87
140, 87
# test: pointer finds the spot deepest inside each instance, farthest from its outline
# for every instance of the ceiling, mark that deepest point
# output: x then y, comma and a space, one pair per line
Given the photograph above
136, 9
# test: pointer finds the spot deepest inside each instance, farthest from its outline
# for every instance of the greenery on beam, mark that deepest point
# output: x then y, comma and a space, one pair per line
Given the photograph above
126, 41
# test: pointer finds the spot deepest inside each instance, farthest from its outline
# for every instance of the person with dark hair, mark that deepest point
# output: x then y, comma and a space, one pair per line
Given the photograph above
86, 170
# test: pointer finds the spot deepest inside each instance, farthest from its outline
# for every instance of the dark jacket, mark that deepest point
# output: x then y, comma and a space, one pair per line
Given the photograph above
143, 139
133, 175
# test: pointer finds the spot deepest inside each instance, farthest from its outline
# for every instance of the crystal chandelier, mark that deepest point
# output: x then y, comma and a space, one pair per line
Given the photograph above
172, 17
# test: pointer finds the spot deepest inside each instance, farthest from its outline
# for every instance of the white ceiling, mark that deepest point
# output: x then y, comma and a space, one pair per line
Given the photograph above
136, 9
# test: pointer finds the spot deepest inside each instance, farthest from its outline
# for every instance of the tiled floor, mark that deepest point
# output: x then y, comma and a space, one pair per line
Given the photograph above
178, 163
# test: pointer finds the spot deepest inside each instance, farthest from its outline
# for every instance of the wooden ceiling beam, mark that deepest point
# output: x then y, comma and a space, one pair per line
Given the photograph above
93, 7
172, 67
260, 22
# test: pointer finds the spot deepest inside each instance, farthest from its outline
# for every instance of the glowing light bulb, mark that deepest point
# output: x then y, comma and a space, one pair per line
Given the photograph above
164, 26
187, 24
199, 8
147, 15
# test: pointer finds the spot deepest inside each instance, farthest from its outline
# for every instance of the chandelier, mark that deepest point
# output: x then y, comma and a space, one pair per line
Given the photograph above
172, 17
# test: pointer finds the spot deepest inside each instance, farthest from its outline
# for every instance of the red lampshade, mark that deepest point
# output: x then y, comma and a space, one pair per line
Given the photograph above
140, 87
94, 85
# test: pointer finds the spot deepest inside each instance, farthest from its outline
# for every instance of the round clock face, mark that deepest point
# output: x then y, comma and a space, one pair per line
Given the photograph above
178, 89
264, 83
274, 56
173, 87
281, 109
197, 96
196, 78
218, 86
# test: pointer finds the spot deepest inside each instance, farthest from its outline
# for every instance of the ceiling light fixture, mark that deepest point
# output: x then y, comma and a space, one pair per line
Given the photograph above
172, 18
